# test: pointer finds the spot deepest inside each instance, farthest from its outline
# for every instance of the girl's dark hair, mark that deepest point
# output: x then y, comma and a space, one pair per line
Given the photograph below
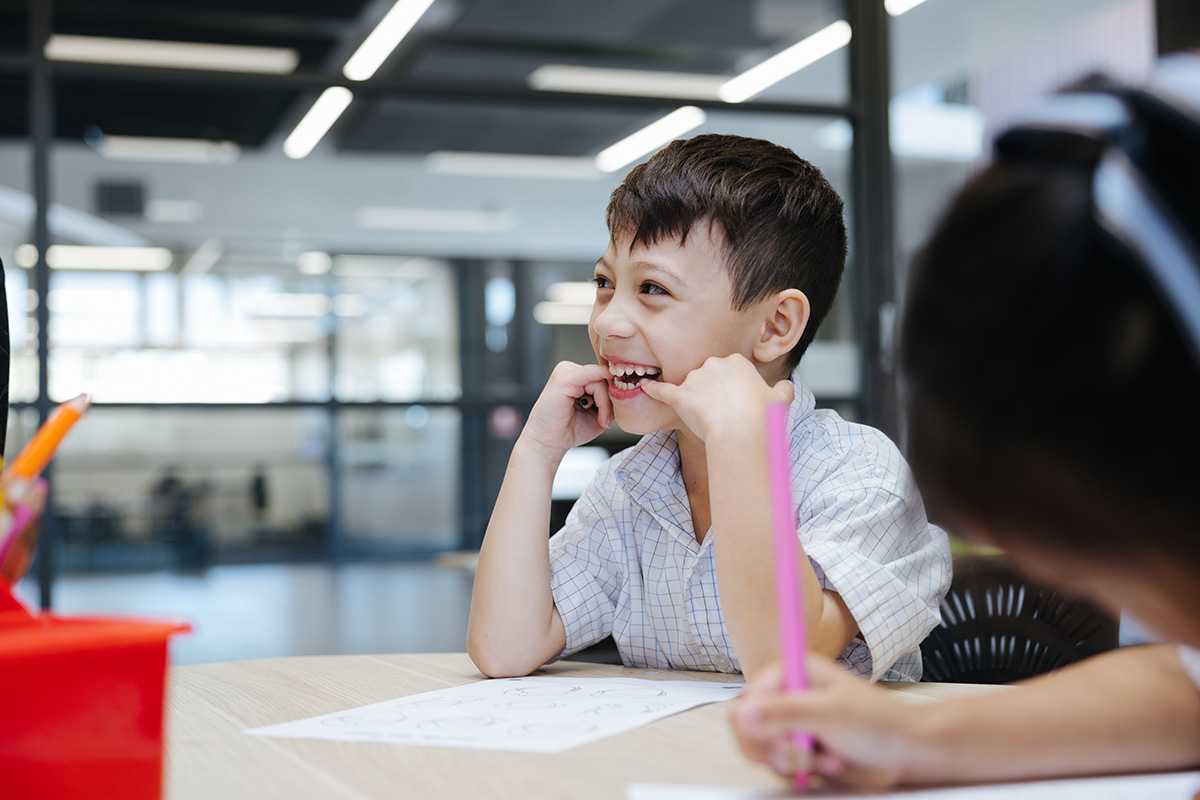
1051, 396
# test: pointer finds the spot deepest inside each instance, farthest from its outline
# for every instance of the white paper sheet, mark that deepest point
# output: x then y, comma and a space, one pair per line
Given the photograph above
540, 714
1171, 786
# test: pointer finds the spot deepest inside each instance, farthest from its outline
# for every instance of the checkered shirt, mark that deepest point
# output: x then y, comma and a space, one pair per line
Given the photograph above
627, 562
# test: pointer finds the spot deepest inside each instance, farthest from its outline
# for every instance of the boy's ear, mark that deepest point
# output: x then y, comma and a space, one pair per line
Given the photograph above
786, 320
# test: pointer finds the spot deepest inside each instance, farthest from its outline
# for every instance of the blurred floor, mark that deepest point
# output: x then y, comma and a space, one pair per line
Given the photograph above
265, 611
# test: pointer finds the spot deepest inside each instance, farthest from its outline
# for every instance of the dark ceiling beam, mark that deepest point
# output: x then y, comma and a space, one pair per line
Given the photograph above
477, 92
694, 58
237, 22
1177, 23
15, 64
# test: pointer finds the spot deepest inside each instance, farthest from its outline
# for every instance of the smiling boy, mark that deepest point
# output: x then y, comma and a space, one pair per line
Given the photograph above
725, 255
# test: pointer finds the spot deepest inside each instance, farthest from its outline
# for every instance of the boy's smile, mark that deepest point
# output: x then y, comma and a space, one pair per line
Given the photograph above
627, 378
660, 311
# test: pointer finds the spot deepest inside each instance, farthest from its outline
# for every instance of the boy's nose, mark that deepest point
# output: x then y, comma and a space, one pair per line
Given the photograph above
612, 322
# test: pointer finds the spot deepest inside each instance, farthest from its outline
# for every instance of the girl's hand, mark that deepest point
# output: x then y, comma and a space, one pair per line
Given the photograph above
863, 736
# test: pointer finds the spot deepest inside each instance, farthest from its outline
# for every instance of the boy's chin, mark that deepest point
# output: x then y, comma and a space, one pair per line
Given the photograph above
641, 422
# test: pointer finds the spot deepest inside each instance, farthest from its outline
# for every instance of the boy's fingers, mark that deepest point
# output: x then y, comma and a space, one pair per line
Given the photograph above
604, 410
577, 376
661, 391
588, 373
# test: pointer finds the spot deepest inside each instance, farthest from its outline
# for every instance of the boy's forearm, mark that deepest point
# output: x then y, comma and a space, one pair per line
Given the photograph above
1127, 711
513, 627
740, 502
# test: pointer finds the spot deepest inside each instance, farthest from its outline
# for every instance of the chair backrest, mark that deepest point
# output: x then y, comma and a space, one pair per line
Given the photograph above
999, 627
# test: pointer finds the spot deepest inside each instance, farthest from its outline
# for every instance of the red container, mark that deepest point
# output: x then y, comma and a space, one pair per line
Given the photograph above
81, 704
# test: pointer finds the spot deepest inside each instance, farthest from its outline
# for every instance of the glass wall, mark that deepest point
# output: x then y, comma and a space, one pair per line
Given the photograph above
398, 339
399, 470
166, 487
328, 350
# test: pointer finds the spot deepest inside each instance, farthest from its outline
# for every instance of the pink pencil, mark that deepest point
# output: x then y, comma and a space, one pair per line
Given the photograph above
792, 634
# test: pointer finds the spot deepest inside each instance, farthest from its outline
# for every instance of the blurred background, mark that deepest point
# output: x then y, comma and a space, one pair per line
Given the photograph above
313, 261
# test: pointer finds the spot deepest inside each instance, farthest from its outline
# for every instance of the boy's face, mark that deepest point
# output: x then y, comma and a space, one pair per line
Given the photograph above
666, 307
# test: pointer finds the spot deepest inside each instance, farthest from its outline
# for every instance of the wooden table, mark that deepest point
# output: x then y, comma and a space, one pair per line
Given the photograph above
209, 756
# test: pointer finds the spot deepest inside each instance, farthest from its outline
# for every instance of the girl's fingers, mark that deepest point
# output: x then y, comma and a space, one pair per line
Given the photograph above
788, 759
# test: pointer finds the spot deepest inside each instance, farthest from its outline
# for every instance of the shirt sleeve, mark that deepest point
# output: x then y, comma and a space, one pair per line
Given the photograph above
873, 545
585, 575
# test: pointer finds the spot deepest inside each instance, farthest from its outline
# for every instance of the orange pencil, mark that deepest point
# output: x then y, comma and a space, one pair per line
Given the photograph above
37, 454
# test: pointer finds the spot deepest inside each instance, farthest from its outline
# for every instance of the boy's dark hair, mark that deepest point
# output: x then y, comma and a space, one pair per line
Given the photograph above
781, 220
1052, 399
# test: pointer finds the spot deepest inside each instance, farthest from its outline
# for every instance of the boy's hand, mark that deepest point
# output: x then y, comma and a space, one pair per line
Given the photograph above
863, 737
723, 395
556, 424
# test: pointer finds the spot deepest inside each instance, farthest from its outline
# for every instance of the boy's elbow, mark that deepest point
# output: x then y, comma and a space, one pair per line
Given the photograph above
493, 662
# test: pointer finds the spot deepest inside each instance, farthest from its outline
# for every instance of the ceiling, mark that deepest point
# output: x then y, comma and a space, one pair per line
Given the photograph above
465, 42
375, 155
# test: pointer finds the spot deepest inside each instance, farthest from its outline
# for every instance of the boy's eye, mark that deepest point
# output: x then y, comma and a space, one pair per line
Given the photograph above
653, 289
602, 282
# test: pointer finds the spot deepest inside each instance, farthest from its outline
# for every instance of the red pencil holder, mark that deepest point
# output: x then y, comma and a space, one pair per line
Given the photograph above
81, 704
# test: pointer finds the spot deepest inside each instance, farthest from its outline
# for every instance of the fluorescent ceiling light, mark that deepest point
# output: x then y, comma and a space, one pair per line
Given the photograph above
174, 211
285, 331
317, 122
505, 165
286, 305
204, 259
898, 7
580, 293
153, 148
807, 51
289, 305
314, 262
636, 82
172, 55
548, 312
375, 49
26, 256
389, 267
127, 259
433, 219
655, 83
649, 138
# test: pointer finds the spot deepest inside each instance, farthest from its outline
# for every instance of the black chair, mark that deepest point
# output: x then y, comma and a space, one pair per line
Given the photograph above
603, 652
999, 627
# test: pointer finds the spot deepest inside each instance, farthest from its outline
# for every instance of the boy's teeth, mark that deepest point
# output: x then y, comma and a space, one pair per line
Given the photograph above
621, 370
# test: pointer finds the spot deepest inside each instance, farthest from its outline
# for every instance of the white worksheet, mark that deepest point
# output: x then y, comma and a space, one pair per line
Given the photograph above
540, 714
1171, 786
